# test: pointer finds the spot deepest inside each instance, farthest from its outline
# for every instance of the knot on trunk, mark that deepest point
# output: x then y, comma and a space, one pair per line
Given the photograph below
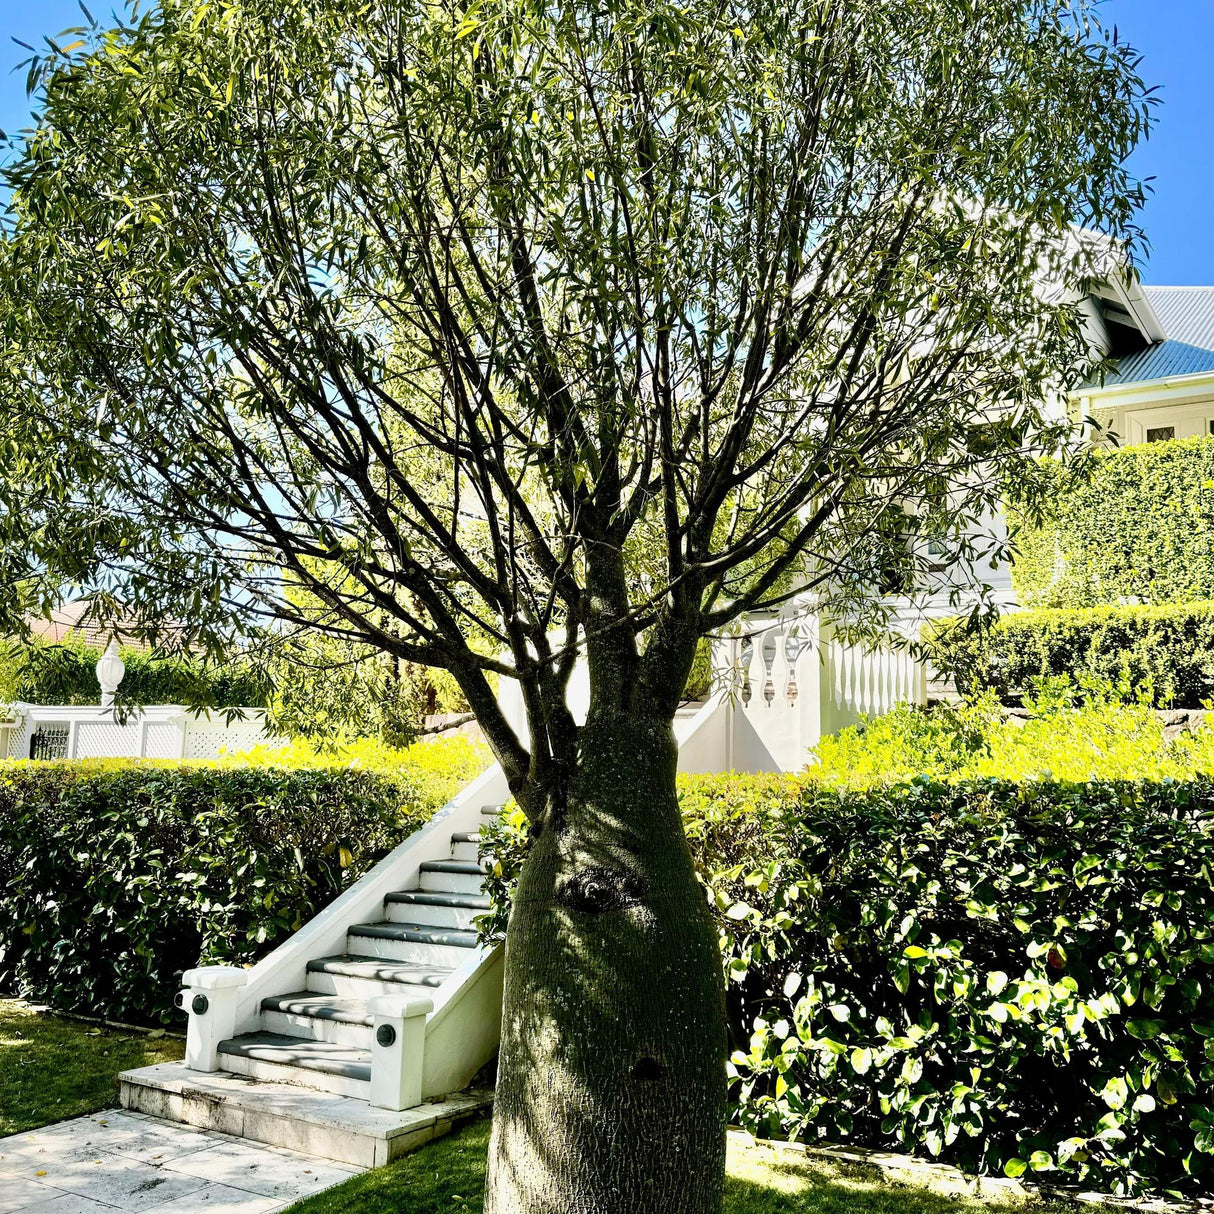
648, 1070
596, 890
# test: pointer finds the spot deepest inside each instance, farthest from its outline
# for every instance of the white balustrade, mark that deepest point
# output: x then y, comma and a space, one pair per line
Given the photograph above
788, 681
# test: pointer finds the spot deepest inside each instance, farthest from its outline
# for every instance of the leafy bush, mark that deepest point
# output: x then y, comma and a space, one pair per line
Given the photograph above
1097, 740
66, 674
434, 769
117, 876
1010, 976
1169, 650
1139, 526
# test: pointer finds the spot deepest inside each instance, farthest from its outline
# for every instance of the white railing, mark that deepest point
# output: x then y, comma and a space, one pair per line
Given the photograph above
873, 681
788, 681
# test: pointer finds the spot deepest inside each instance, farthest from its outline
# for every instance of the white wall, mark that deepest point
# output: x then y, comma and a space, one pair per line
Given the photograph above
156, 732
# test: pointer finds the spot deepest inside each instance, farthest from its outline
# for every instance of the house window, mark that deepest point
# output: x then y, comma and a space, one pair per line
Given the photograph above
1161, 434
49, 742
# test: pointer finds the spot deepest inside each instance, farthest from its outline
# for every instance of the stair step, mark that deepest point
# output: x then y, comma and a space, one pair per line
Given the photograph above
321, 1007
415, 942
341, 1069
452, 876
319, 1018
419, 897
466, 845
364, 977
420, 933
436, 909
492, 811
297, 1118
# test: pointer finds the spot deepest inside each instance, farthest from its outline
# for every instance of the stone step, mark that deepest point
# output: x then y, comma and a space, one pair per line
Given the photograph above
364, 977
437, 910
492, 811
342, 1069
466, 845
452, 876
341, 1021
297, 1118
414, 942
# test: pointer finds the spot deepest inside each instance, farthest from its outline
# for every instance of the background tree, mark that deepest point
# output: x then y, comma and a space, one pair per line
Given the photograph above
582, 329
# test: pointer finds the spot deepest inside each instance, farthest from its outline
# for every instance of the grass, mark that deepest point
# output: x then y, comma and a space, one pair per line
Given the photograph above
448, 1177
52, 1068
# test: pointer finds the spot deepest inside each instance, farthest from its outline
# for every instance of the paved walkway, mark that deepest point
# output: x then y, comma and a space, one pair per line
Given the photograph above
130, 1163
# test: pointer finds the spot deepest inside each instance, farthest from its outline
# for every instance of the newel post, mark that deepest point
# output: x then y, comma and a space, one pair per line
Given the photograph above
210, 998
398, 1052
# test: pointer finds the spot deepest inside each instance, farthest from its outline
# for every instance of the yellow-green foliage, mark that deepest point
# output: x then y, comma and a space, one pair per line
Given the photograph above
429, 772
440, 766
1096, 741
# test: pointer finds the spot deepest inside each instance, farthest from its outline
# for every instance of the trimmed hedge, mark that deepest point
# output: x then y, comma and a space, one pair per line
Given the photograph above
1168, 650
1011, 977
67, 674
116, 877
1099, 740
1141, 526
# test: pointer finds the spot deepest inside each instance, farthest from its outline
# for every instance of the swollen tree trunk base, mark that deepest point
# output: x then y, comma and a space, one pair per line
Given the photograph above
611, 1080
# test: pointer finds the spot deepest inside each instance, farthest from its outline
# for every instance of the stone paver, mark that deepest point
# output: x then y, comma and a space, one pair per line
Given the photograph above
129, 1163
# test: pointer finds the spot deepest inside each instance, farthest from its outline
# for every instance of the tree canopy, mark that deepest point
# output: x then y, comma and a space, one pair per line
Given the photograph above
502, 328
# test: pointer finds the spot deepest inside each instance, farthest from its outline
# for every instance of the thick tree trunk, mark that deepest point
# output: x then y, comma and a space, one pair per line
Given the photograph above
611, 1083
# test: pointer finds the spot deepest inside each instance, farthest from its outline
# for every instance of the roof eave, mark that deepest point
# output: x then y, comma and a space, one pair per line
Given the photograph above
1197, 379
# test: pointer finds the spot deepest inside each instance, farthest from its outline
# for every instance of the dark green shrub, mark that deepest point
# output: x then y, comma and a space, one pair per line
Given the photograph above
1007, 976
1141, 525
114, 878
1168, 650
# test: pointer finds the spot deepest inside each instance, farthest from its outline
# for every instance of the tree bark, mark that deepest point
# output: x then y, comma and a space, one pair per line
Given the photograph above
611, 1080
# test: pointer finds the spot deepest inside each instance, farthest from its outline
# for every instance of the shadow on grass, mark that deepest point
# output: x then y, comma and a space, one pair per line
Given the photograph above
448, 1177
52, 1069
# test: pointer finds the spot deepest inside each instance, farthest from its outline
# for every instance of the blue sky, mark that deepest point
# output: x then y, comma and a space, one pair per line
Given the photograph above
1174, 35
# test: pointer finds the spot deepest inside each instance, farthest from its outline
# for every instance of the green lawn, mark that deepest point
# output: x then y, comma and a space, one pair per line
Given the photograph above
448, 1177
52, 1069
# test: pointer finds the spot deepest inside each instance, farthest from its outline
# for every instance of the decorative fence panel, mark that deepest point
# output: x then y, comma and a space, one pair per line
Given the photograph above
47, 731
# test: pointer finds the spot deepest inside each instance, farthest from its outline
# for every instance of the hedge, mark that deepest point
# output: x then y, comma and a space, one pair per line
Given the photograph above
115, 877
1140, 527
66, 674
1011, 977
1168, 650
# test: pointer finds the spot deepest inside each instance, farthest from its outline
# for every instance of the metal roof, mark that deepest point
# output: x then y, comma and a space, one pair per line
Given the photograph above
1187, 317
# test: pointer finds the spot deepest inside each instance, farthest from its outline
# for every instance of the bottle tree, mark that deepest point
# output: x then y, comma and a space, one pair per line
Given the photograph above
489, 336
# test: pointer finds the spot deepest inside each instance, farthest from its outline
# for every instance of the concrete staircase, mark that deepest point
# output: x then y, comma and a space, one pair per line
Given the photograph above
322, 1037
352, 1051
